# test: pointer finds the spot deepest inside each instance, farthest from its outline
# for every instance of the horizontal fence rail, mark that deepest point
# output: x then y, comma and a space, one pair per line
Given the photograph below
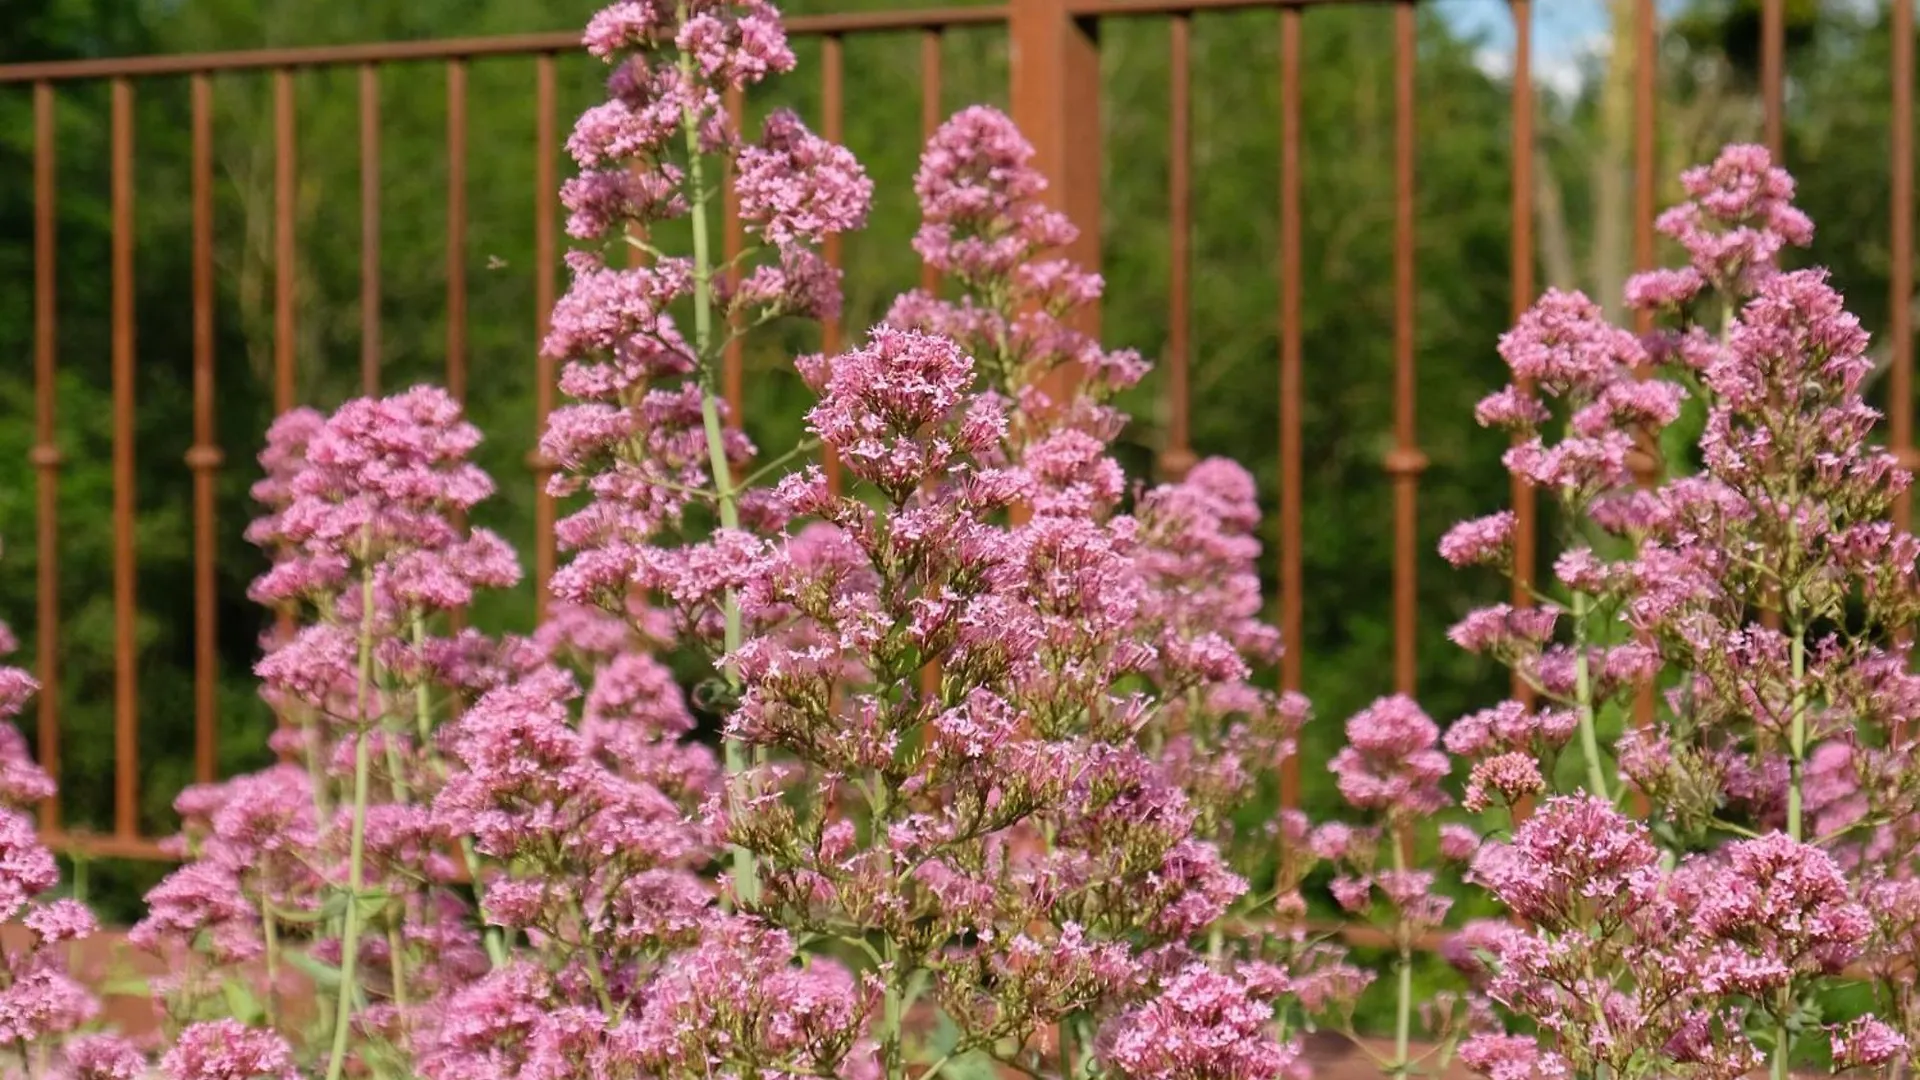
1055, 93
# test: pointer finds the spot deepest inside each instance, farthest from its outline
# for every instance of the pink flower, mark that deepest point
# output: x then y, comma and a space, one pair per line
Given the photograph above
62, 920
1783, 900
1739, 217
1202, 1026
1510, 1057
1486, 541
228, 1050
737, 997
1509, 777
881, 399
796, 187
1866, 1042
41, 1001
1502, 629
1571, 853
104, 1057
1391, 761
1458, 842
26, 867
622, 25
1563, 345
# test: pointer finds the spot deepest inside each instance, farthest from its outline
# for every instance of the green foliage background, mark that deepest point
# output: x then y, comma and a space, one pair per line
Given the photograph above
1838, 105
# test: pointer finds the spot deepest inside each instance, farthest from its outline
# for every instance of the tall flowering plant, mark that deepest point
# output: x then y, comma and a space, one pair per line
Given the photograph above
989, 712
647, 435
996, 842
329, 864
1391, 775
45, 1012
1015, 308
1014, 305
1770, 599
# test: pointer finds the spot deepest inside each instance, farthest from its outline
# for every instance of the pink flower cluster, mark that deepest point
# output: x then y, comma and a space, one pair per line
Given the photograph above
1034, 827
985, 225
1202, 1026
1773, 589
990, 716
1739, 216
645, 435
1641, 969
334, 852
44, 1009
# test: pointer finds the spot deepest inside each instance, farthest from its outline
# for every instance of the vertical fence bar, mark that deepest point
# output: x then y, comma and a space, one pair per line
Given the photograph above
1405, 462
1176, 455
284, 192
1900, 240
126, 687
833, 107
457, 230
369, 229
1773, 74
283, 249
733, 240
1646, 72
1524, 518
1055, 88
545, 149
1291, 576
204, 458
930, 119
45, 456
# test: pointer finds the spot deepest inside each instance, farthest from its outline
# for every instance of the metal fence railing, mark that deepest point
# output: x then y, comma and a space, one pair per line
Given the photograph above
1055, 94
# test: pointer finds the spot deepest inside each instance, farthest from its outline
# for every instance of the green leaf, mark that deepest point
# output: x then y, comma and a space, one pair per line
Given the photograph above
325, 976
127, 986
242, 1005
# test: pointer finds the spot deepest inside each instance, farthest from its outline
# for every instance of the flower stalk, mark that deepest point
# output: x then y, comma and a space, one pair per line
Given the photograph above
357, 838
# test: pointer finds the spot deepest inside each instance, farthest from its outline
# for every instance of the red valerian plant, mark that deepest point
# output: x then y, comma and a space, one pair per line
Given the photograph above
1021, 848
1771, 600
44, 1010
989, 713
336, 849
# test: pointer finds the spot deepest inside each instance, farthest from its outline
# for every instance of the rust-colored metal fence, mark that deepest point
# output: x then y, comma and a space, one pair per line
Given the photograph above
1055, 92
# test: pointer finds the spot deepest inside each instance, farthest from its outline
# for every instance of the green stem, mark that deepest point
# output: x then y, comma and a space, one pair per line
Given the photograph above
1583, 700
272, 934
1403, 971
592, 958
496, 941
423, 722
1797, 734
1796, 758
396, 959
316, 769
422, 698
891, 1000
745, 877
1797, 742
934, 1069
357, 838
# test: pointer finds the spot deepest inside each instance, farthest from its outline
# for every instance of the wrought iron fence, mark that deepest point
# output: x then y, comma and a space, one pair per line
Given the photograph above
1055, 93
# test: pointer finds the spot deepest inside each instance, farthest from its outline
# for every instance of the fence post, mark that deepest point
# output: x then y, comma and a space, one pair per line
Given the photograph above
1055, 90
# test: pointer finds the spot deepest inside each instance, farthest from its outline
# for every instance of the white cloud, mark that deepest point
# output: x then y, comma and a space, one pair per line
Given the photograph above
1562, 71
